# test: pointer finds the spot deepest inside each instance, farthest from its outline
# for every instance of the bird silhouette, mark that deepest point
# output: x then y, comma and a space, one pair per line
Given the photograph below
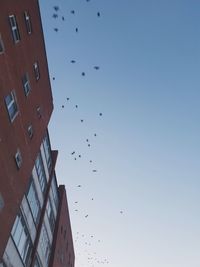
63, 18
79, 156
95, 134
86, 216
79, 185
76, 202
54, 78
56, 29
81, 120
63, 106
94, 170
96, 67
76, 106
100, 114
76, 29
73, 153
67, 98
98, 14
90, 161
89, 145
83, 73
56, 8
55, 16
74, 158
73, 61
72, 12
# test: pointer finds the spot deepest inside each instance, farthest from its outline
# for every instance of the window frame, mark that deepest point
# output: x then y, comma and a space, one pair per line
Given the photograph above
26, 83
12, 104
18, 158
41, 173
2, 47
28, 22
14, 28
36, 70
33, 202
22, 239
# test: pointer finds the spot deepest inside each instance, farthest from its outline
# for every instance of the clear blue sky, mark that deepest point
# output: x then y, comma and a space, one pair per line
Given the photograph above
147, 148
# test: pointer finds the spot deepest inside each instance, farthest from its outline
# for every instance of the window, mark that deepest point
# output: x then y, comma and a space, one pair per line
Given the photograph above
18, 159
30, 131
40, 172
14, 28
1, 45
36, 263
47, 151
11, 105
36, 71
28, 22
39, 112
26, 84
33, 202
50, 215
54, 189
45, 244
21, 239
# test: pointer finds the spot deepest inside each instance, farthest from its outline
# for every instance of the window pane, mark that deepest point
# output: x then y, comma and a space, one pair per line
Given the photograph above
41, 172
33, 202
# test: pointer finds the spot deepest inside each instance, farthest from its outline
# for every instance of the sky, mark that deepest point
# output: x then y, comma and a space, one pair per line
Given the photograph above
141, 114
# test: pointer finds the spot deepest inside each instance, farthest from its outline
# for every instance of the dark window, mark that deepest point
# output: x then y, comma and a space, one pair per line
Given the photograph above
26, 84
14, 28
41, 173
30, 130
18, 159
33, 202
50, 215
22, 239
28, 22
36, 71
54, 190
47, 151
11, 105
1, 45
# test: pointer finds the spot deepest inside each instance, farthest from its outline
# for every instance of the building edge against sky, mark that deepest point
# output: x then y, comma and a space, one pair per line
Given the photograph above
35, 226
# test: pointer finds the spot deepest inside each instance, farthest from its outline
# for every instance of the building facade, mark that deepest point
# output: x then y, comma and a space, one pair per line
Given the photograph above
32, 206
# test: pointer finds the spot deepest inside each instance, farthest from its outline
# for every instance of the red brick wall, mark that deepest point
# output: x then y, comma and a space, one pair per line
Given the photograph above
62, 247
14, 62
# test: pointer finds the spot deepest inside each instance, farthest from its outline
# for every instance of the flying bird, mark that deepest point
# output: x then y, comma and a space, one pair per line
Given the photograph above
76, 29
98, 14
81, 120
90, 161
86, 216
73, 61
55, 16
67, 98
96, 67
76, 106
56, 8
89, 145
72, 12
83, 73
56, 29
63, 106
95, 134
63, 18
79, 156
73, 153
100, 114
94, 170
79, 185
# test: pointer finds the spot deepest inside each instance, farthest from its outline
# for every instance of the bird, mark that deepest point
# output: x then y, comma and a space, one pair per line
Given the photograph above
76, 202
76, 29
79, 156
79, 185
72, 12
56, 29
100, 114
76, 210
94, 170
92, 198
90, 161
54, 78
121, 211
73, 153
63, 106
96, 67
98, 14
73, 61
89, 145
67, 98
74, 158
63, 18
81, 120
55, 16
86, 216
56, 8
87, 140
76, 106
95, 134
83, 73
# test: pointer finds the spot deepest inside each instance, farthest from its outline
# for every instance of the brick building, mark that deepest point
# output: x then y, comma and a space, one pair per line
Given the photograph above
34, 217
